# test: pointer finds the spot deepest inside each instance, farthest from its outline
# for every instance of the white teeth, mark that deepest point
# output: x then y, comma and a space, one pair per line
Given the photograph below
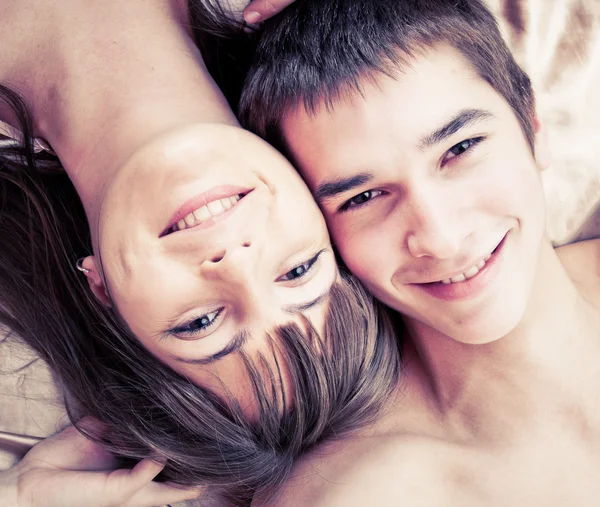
202, 214
487, 257
215, 208
470, 273
190, 219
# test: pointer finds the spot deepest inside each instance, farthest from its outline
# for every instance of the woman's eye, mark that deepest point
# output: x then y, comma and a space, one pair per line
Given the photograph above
297, 272
360, 199
198, 325
459, 149
300, 270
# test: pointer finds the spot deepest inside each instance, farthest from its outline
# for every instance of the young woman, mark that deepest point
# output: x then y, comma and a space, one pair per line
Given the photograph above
205, 324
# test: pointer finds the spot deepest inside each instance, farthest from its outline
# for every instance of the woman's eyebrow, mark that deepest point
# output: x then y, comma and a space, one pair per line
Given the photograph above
237, 342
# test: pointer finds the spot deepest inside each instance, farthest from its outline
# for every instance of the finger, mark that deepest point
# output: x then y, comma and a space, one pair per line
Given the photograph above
124, 483
151, 493
142, 491
259, 10
145, 471
155, 493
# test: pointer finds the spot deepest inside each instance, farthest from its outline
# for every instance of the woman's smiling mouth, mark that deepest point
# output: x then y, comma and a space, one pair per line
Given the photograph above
202, 209
203, 214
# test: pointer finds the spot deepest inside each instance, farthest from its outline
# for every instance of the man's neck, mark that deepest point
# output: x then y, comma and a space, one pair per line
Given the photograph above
545, 361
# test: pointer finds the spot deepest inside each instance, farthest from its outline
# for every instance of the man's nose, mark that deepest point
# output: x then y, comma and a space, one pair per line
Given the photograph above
436, 229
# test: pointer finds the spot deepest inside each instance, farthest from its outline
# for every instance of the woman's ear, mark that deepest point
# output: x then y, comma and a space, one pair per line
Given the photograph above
89, 266
543, 157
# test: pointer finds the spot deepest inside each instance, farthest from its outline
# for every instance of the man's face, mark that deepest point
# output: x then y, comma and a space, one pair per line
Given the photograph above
431, 194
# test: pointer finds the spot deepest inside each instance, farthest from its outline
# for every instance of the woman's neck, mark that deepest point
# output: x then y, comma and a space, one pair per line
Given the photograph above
110, 77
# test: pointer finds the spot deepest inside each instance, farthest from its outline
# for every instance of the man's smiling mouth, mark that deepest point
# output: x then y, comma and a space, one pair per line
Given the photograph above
468, 273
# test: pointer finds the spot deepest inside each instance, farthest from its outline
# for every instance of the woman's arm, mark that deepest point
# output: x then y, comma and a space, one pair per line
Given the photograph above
68, 470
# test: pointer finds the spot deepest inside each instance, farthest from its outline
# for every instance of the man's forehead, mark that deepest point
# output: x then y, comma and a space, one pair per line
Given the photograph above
387, 103
352, 93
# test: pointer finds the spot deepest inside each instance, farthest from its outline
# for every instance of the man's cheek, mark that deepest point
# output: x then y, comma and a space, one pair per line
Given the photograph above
358, 257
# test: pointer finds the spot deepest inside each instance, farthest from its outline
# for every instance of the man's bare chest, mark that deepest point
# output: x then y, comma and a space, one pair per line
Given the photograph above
555, 470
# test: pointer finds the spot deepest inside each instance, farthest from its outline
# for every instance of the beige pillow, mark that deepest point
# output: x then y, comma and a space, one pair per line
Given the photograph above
30, 402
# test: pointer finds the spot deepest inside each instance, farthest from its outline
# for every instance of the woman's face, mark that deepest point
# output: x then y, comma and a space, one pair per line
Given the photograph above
208, 239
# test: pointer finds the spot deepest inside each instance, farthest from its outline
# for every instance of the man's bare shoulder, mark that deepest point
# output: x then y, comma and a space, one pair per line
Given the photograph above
582, 263
366, 471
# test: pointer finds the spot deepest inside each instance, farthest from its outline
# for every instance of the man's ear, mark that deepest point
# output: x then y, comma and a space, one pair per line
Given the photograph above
543, 157
90, 267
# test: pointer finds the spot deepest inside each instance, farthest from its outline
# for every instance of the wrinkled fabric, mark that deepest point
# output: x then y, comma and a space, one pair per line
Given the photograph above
31, 405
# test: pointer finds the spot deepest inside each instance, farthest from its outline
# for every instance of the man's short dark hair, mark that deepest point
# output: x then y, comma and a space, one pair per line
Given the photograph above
318, 51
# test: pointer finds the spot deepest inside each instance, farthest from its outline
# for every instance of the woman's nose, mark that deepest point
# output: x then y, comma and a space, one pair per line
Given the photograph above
247, 269
221, 251
240, 264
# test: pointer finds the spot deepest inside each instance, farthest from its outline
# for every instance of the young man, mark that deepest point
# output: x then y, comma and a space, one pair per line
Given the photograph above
417, 133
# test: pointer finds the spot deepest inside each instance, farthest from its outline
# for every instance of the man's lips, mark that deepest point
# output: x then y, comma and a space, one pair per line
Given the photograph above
469, 271
471, 286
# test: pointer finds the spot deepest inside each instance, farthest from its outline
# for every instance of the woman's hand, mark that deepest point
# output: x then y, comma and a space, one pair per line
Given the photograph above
68, 470
259, 10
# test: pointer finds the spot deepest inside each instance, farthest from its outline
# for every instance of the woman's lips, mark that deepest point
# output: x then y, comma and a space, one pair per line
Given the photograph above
203, 208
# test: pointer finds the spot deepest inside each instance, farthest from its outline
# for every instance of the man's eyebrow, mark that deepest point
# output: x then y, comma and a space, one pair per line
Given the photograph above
464, 118
239, 339
331, 188
307, 306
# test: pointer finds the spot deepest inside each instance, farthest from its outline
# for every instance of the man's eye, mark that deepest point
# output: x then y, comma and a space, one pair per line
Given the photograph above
459, 149
360, 199
300, 270
198, 325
